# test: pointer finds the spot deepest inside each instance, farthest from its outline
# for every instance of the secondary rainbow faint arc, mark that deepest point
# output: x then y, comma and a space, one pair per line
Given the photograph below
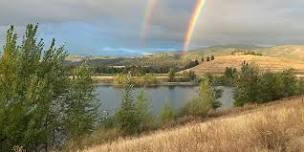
192, 23
148, 19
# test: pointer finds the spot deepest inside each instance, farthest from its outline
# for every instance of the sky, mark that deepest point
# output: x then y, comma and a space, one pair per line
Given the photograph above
114, 27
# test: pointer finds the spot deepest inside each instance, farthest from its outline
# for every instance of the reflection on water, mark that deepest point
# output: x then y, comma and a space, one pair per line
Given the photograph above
178, 95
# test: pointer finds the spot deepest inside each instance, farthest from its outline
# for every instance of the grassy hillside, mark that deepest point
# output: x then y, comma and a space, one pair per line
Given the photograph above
264, 62
294, 52
273, 127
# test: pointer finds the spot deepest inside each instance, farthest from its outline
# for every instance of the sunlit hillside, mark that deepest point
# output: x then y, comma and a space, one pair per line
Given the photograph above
295, 52
275, 64
270, 128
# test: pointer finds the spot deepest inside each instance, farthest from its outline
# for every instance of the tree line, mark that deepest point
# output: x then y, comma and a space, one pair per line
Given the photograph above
257, 86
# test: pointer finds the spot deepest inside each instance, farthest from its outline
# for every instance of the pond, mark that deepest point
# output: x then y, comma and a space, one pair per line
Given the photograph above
178, 95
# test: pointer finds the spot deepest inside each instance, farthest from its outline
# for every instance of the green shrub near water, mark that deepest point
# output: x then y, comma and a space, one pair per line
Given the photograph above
167, 114
206, 101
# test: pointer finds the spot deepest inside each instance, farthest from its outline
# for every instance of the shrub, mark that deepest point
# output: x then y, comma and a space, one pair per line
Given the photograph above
206, 101
167, 114
143, 112
171, 75
126, 117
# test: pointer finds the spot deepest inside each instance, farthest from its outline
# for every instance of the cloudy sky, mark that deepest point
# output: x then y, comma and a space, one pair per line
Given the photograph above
113, 27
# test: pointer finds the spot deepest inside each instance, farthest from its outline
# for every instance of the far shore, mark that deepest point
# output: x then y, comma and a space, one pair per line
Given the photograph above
186, 84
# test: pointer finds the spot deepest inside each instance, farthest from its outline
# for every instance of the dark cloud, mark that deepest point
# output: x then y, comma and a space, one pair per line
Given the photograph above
117, 23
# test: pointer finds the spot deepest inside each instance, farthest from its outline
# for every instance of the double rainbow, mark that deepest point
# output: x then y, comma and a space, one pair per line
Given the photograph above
191, 24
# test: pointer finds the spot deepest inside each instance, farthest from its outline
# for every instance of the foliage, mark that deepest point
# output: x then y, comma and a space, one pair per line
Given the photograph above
254, 86
189, 75
230, 76
145, 80
208, 58
167, 113
245, 52
206, 101
171, 75
212, 57
143, 111
126, 116
37, 95
246, 84
82, 107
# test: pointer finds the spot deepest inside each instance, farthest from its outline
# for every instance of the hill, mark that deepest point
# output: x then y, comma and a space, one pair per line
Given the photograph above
275, 64
295, 52
273, 127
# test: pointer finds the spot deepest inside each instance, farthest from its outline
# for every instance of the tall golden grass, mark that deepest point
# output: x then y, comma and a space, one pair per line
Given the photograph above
272, 128
274, 64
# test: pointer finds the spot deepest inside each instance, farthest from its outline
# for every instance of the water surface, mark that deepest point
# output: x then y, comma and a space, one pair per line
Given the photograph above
178, 95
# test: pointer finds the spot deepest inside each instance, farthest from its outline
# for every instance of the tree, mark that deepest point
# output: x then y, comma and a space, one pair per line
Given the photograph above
167, 113
288, 81
126, 116
208, 58
230, 76
246, 85
203, 59
171, 75
212, 57
268, 87
35, 88
143, 111
196, 62
206, 101
82, 106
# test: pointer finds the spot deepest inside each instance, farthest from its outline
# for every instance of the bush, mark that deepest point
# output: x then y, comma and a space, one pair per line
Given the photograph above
171, 75
126, 117
167, 114
144, 113
206, 101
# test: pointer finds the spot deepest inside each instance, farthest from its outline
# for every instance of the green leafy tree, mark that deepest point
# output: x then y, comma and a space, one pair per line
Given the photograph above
206, 101
212, 57
269, 87
34, 90
143, 111
230, 76
126, 116
208, 58
288, 81
246, 85
171, 75
82, 106
167, 113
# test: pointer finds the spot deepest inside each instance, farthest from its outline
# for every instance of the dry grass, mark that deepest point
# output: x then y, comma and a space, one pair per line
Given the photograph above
264, 62
271, 128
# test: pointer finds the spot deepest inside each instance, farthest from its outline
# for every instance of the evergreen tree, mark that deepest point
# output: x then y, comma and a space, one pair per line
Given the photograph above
246, 85
34, 91
167, 113
208, 58
171, 75
143, 111
212, 57
126, 116
82, 106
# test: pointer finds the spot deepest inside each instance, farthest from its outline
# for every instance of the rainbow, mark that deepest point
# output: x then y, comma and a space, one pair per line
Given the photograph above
192, 23
148, 19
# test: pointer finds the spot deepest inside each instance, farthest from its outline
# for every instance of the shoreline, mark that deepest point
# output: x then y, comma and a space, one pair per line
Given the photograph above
185, 84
